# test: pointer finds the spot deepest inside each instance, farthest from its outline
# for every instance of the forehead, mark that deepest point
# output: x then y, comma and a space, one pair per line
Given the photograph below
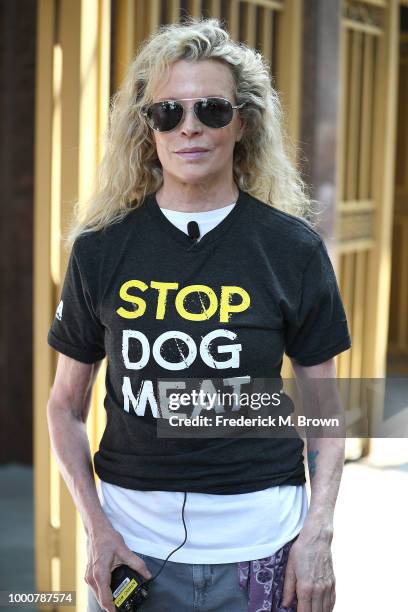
190, 79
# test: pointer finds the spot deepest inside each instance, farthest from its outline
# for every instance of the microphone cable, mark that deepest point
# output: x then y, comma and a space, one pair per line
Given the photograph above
178, 547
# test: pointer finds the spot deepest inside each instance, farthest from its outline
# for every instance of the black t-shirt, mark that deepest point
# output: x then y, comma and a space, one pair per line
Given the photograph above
227, 307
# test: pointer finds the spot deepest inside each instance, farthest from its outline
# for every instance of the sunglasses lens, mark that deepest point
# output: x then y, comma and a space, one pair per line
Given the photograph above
164, 116
214, 112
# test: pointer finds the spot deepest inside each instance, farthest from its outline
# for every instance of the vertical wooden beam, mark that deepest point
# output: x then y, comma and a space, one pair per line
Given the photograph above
153, 21
56, 276
215, 8
73, 64
348, 299
366, 119
356, 355
266, 33
173, 11
320, 108
343, 115
232, 16
379, 269
194, 8
353, 152
130, 28
104, 78
71, 92
43, 306
288, 62
249, 25
403, 290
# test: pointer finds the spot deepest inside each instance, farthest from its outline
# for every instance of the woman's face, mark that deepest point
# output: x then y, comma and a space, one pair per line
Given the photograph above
188, 79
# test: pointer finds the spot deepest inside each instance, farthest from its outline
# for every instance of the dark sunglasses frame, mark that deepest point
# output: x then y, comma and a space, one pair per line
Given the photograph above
145, 111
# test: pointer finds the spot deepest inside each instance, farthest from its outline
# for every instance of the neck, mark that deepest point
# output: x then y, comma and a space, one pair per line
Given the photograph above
196, 197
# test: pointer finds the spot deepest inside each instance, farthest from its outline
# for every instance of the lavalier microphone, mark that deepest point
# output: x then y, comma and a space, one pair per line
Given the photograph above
193, 230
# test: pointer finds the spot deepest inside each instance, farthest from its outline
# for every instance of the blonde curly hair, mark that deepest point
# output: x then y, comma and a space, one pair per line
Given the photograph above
130, 168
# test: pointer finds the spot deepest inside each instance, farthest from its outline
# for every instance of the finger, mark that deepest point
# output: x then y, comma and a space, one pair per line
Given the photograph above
317, 597
106, 598
304, 599
304, 605
333, 596
137, 564
104, 593
326, 602
289, 586
89, 579
91, 582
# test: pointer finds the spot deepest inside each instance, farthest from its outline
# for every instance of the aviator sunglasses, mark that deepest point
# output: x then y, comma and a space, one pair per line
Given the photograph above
166, 115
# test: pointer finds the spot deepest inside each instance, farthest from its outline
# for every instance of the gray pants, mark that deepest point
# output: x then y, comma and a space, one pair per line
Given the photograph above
185, 587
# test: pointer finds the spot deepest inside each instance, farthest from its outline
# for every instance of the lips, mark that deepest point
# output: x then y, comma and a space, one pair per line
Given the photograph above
193, 150
192, 154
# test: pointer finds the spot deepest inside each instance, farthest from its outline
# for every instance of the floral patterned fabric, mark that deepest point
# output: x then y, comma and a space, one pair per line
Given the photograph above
264, 580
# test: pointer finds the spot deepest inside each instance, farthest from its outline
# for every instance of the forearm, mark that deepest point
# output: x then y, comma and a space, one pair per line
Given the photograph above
325, 462
70, 445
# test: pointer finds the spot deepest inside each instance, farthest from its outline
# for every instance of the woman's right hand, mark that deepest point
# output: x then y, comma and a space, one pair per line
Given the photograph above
106, 551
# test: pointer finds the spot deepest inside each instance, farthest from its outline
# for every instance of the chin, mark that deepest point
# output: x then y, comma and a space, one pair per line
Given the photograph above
194, 177
196, 171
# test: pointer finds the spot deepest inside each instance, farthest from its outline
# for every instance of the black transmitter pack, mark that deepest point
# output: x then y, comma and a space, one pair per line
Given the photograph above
129, 589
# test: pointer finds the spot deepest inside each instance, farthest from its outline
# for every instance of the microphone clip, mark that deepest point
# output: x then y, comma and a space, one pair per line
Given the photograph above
193, 232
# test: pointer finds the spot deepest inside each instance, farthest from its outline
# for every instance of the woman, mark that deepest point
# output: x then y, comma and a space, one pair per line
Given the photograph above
196, 135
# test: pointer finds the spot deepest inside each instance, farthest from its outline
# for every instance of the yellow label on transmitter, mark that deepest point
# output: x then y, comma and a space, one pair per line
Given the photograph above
125, 593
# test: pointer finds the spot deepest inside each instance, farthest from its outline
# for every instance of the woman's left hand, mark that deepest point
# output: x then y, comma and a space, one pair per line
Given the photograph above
309, 574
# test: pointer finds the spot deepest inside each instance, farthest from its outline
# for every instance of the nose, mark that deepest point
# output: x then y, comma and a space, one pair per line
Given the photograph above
190, 124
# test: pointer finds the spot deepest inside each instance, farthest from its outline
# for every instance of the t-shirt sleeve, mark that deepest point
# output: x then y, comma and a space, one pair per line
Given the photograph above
316, 330
76, 330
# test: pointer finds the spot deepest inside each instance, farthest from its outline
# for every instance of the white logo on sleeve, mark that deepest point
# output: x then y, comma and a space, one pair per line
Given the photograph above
58, 314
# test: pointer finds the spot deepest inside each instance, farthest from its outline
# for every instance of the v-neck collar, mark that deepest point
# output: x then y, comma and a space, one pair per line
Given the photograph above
181, 237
